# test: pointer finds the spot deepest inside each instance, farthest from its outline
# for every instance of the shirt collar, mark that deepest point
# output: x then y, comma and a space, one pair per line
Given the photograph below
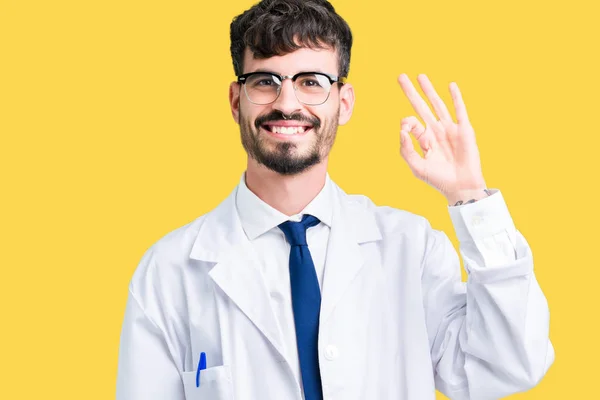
258, 217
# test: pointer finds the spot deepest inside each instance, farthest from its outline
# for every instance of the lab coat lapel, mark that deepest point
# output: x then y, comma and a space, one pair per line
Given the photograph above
353, 223
221, 239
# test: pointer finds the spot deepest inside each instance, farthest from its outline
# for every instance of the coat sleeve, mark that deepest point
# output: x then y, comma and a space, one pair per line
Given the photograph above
489, 336
146, 369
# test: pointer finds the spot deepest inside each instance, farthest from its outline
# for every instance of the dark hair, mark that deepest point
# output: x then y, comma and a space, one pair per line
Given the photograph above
270, 27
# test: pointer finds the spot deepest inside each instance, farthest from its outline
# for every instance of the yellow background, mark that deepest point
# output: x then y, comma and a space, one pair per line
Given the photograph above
115, 129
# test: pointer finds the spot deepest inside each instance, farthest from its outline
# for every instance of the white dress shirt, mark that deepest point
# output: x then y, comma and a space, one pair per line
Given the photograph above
261, 222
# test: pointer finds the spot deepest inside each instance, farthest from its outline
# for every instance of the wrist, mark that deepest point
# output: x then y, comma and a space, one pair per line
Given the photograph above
467, 196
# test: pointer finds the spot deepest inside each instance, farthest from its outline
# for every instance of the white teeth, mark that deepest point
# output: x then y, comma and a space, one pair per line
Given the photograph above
287, 130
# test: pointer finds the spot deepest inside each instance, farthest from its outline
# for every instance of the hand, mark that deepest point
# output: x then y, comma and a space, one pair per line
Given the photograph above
451, 161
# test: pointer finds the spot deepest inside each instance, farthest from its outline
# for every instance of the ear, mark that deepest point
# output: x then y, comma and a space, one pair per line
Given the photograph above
234, 101
346, 103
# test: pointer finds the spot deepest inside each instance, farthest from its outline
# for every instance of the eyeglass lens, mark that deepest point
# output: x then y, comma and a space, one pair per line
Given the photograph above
310, 89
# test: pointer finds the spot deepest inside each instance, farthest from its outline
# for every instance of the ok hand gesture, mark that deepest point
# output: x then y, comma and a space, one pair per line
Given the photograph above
450, 161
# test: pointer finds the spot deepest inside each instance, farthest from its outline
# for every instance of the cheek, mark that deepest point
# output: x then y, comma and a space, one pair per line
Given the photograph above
246, 115
323, 114
251, 112
330, 119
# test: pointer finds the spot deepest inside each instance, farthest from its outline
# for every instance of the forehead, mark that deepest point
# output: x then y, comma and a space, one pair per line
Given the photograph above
304, 59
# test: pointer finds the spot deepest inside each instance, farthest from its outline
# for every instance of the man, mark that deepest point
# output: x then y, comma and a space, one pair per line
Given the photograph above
292, 289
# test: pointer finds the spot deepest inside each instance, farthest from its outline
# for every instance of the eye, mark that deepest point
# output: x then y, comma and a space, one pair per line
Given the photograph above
265, 82
311, 83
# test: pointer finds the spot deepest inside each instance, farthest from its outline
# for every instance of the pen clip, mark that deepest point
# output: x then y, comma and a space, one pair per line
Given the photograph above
201, 366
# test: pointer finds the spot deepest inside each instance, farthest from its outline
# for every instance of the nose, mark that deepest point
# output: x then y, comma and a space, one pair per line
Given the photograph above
287, 102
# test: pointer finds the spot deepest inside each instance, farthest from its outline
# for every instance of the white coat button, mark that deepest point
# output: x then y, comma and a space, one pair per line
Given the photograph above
476, 220
331, 352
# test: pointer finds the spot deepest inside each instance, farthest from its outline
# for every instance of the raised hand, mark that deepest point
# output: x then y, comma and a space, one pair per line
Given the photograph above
450, 161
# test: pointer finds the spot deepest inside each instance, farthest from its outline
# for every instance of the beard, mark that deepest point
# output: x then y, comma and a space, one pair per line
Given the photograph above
283, 157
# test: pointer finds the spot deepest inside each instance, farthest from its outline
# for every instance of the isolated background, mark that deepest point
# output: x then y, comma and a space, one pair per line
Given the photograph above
115, 129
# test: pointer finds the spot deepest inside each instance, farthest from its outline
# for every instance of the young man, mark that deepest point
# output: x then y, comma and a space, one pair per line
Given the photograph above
292, 289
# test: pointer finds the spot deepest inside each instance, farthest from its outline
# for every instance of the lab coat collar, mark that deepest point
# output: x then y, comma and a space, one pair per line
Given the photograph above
237, 272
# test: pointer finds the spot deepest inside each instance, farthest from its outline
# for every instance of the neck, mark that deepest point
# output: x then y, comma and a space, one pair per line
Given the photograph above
287, 194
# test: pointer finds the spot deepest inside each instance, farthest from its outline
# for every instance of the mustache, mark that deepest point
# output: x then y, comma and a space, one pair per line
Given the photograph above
279, 116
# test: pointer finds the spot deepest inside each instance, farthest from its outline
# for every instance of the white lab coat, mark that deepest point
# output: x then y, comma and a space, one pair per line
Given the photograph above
396, 320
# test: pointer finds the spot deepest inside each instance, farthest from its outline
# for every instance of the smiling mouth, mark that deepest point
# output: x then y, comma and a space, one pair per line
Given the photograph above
287, 130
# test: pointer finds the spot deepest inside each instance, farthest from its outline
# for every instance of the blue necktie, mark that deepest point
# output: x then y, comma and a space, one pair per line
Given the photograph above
306, 302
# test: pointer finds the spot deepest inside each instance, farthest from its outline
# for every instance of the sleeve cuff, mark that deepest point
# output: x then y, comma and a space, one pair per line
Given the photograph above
483, 218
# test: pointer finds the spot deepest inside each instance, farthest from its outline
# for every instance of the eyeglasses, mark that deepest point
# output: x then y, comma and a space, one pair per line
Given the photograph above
311, 88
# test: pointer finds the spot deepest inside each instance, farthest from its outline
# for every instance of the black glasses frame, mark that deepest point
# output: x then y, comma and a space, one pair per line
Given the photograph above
332, 79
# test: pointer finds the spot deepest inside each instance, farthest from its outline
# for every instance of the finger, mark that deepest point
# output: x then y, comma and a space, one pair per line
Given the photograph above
416, 100
459, 105
415, 126
451, 129
424, 136
407, 150
438, 104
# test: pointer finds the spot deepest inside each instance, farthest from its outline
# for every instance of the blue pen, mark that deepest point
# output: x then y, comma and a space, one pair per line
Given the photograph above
201, 366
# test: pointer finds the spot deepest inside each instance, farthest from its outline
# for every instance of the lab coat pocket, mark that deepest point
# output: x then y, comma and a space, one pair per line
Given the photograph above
215, 384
